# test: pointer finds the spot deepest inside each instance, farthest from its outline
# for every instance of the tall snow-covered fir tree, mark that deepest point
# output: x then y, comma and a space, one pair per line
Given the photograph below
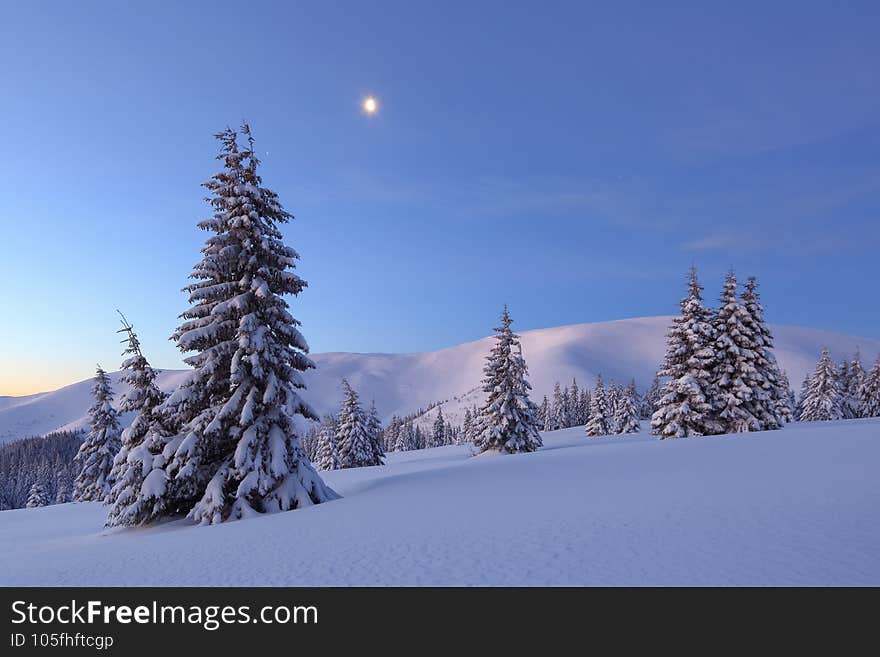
822, 399
374, 427
327, 452
626, 416
238, 453
599, 422
352, 434
96, 454
612, 393
574, 398
869, 393
769, 398
851, 405
735, 371
683, 406
558, 419
142, 441
508, 421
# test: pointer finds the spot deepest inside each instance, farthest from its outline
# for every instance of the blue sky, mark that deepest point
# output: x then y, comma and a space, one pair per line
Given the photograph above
570, 159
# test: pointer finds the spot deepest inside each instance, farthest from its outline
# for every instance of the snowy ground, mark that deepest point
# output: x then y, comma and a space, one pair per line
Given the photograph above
793, 507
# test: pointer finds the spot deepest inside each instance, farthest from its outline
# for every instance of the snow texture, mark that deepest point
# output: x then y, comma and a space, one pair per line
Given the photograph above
790, 507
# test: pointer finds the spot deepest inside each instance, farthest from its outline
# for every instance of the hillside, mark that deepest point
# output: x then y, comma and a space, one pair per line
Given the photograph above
790, 507
402, 383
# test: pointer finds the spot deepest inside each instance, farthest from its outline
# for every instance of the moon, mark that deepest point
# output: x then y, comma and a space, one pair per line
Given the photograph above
371, 105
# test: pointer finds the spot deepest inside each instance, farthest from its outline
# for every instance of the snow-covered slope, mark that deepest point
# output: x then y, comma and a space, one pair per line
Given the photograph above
791, 507
402, 383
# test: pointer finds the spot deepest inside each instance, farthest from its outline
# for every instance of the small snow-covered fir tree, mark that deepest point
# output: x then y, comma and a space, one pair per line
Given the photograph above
626, 417
63, 487
851, 405
822, 401
649, 401
544, 414
438, 435
38, 495
869, 392
374, 427
239, 453
735, 371
467, 424
96, 454
683, 406
352, 433
599, 422
785, 402
327, 451
799, 406
508, 421
584, 406
135, 459
769, 398
558, 420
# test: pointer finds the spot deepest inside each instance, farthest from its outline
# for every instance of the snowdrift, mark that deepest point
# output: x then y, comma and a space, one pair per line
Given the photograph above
790, 507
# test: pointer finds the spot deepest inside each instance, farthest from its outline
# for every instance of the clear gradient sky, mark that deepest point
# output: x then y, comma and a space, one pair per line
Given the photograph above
570, 159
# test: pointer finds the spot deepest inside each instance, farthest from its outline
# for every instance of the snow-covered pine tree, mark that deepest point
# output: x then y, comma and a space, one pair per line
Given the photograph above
352, 433
63, 487
574, 398
683, 406
95, 456
626, 417
558, 419
238, 453
822, 401
405, 438
508, 421
438, 435
785, 403
467, 424
327, 451
598, 424
584, 406
566, 408
139, 451
38, 495
869, 393
769, 397
543, 411
799, 406
851, 405
649, 401
612, 394
735, 372
374, 427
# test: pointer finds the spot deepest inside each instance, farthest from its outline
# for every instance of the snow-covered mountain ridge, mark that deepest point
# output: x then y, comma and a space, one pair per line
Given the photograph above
402, 383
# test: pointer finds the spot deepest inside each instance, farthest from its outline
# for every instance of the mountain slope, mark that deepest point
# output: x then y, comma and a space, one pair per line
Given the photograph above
402, 383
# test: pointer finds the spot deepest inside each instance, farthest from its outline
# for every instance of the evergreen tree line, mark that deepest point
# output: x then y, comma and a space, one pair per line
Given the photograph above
353, 438
719, 372
39, 471
615, 409
839, 392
